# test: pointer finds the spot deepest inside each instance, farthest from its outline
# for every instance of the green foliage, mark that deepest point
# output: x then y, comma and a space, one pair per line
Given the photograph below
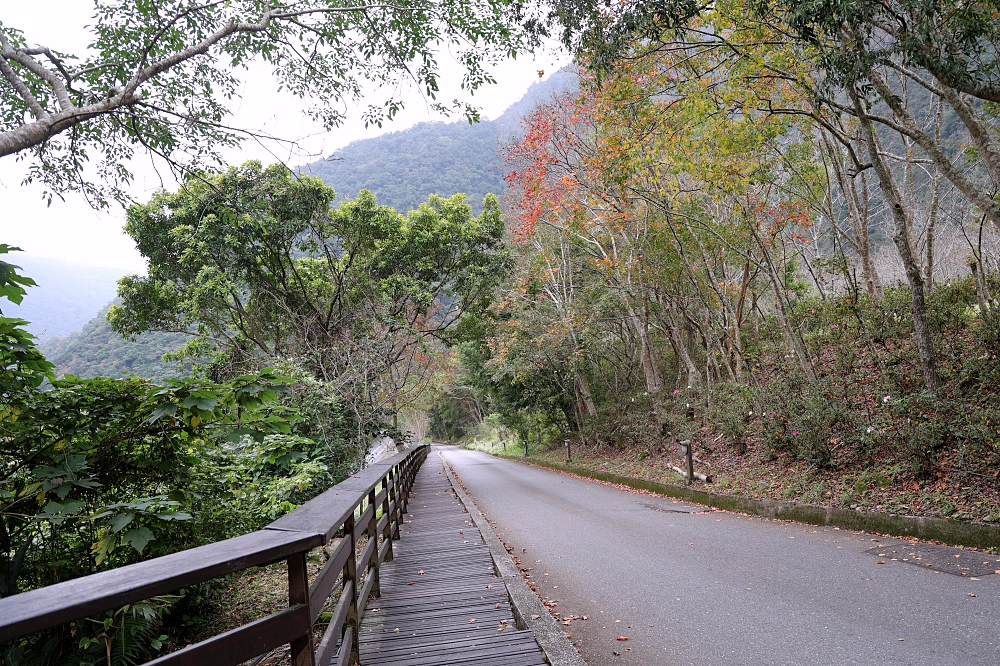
161, 76
21, 365
259, 267
12, 284
103, 472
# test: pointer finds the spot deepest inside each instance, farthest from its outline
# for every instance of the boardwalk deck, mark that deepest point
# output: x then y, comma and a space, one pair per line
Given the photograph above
441, 603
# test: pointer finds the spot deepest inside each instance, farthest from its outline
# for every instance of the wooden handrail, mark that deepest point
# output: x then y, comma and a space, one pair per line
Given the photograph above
348, 511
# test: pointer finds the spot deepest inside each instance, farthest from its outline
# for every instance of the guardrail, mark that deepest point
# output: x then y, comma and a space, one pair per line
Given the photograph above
345, 515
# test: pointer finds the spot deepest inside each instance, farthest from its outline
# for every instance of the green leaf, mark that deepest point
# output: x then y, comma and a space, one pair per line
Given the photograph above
169, 409
138, 537
120, 521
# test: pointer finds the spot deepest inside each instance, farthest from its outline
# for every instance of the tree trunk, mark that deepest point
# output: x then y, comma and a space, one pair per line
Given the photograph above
904, 244
583, 386
796, 343
684, 355
859, 222
979, 282
649, 369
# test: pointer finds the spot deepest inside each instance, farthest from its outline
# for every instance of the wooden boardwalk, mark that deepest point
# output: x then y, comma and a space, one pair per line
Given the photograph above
441, 603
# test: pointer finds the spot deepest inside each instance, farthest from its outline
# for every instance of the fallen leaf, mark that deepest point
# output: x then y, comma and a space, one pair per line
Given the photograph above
616, 653
535, 617
472, 620
420, 573
880, 562
973, 594
621, 638
410, 583
489, 587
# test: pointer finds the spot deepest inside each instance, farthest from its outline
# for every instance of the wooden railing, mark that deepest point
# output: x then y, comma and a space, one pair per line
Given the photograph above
343, 517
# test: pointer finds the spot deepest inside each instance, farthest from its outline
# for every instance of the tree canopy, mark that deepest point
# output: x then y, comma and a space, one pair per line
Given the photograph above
255, 263
159, 76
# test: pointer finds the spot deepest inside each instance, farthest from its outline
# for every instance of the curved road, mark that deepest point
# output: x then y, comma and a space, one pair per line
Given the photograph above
691, 586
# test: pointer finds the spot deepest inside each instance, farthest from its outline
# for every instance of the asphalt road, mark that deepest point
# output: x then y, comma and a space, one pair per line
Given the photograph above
688, 585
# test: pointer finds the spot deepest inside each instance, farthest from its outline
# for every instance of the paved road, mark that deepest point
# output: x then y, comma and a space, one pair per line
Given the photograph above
722, 588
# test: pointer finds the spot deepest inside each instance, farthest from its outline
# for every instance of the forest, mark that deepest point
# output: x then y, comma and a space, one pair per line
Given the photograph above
769, 229
767, 233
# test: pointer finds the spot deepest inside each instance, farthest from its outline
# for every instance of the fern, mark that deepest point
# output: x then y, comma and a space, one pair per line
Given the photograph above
129, 636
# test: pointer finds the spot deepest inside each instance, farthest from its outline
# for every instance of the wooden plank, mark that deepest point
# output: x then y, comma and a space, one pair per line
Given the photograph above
440, 602
344, 655
243, 643
328, 577
384, 550
361, 527
51, 606
335, 630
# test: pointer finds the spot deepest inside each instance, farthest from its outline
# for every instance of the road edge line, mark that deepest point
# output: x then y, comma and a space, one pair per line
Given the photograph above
556, 648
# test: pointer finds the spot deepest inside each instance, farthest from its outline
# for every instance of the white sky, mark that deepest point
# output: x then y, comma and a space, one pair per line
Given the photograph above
72, 231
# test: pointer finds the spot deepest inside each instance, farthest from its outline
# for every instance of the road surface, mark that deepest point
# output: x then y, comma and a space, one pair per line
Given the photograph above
688, 585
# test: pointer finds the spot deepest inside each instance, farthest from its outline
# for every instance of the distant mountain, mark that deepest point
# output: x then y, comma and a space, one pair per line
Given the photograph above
97, 351
403, 168
67, 295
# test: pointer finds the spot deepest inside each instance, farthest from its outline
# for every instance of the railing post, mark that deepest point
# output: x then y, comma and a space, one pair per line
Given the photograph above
387, 530
372, 563
298, 594
400, 498
407, 482
351, 574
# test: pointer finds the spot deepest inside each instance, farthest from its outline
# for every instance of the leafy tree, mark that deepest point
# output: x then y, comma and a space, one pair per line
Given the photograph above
255, 263
158, 75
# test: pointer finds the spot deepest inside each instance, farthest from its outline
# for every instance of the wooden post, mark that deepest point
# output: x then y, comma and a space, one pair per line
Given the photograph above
387, 530
372, 564
398, 512
351, 574
298, 594
569, 452
689, 454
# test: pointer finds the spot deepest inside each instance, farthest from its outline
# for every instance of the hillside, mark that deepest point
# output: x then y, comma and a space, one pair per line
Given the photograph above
403, 168
67, 295
97, 351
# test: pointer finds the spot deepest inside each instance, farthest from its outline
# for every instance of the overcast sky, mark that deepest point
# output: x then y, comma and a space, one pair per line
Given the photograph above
70, 230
